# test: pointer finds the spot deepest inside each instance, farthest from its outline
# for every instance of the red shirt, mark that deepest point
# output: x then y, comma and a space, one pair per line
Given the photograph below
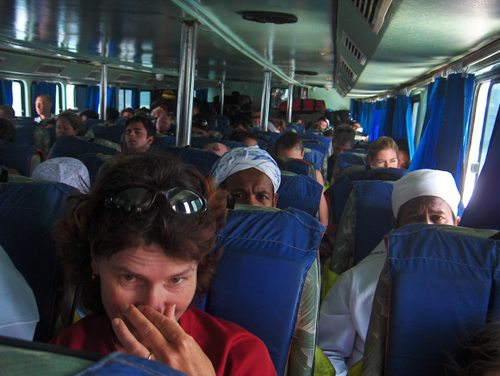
231, 349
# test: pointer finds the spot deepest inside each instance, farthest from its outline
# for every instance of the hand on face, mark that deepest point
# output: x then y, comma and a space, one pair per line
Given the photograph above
161, 337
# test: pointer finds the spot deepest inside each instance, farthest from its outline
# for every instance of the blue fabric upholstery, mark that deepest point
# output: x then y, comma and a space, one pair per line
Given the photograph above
315, 157
373, 215
93, 162
347, 159
112, 133
200, 142
24, 134
261, 273
323, 140
443, 284
28, 212
300, 192
161, 141
70, 146
203, 160
297, 166
17, 156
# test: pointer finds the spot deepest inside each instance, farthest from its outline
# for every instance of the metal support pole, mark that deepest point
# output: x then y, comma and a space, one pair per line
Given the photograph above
186, 83
221, 97
264, 105
103, 92
289, 104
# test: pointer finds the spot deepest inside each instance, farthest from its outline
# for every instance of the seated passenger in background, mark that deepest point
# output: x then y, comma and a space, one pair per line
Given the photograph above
88, 114
403, 154
70, 171
112, 115
127, 113
7, 112
290, 146
250, 175
217, 148
43, 107
19, 313
139, 135
247, 138
383, 152
140, 246
162, 121
7, 130
343, 140
68, 124
421, 196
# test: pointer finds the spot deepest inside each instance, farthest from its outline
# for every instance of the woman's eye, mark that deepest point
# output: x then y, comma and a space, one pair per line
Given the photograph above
128, 278
176, 280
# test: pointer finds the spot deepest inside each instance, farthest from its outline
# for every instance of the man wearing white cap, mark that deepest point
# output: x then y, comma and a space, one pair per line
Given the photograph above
422, 196
250, 175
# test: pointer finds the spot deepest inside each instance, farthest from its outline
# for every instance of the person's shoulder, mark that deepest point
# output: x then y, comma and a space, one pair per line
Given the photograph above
93, 323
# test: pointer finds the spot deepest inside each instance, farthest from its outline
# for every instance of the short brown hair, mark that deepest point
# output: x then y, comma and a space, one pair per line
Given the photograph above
381, 143
94, 229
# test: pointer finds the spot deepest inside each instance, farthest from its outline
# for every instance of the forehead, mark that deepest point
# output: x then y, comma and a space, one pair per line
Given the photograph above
135, 125
249, 178
388, 152
432, 203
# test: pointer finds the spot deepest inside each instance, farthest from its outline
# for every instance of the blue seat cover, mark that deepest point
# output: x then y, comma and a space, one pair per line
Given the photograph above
17, 156
300, 192
70, 146
315, 157
28, 211
112, 133
261, 273
203, 160
443, 284
347, 159
24, 134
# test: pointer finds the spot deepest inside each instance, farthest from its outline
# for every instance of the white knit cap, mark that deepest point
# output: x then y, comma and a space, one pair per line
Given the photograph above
425, 183
240, 159
65, 170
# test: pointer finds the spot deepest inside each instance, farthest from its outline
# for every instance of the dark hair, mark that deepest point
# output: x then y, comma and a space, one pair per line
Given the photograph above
241, 136
112, 114
344, 134
381, 143
128, 109
288, 141
8, 111
479, 354
93, 229
148, 125
90, 114
45, 96
73, 119
7, 130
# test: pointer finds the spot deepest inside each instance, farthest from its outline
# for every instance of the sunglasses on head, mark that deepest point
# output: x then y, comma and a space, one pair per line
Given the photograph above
137, 200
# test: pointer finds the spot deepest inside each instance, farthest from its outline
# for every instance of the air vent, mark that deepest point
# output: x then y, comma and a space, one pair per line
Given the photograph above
94, 75
50, 69
353, 49
373, 11
343, 87
268, 17
124, 78
349, 72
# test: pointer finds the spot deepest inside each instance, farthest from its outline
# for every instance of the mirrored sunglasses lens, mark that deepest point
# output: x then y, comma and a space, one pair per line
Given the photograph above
185, 201
134, 199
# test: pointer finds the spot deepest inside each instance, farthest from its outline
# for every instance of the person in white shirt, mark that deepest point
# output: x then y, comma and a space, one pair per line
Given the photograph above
421, 196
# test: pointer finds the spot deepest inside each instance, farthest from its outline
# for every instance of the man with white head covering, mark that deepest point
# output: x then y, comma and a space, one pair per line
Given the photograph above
65, 170
250, 175
422, 196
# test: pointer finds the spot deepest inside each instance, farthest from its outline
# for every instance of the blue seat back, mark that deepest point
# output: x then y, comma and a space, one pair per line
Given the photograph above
74, 146
24, 134
297, 166
93, 162
348, 158
203, 160
27, 213
323, 140
315, 157
443, 285
17, 156
297, 128
161, 141
112, 133
200, 142
300, 192
261, 274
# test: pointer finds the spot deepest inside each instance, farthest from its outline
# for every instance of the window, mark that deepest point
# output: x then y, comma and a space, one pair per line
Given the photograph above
18, 98
70, 97
124, 99
145, 99
483, 121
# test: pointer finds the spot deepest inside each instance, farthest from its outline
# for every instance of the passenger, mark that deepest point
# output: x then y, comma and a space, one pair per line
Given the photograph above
88, 114
250, 175
19, 314
383, 152
68, 124
297, 120
217, 148
112, 115
290, 146
421, 196
140, 246
480, 356
127, 113
403, 154
343, 140
7, 130
139, 135
43, 107
247, 138
162, 121
7, 112
256, 123
65, 170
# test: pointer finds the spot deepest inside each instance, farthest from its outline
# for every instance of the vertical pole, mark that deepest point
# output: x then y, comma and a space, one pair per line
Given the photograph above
186, 83
221, 98
103, 92
289, 104
264, 105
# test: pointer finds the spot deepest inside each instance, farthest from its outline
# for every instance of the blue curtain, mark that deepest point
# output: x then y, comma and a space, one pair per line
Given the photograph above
135, 98
93, 98
402, 128
446, 126
483, 209
43, 88
111, 98
6, 92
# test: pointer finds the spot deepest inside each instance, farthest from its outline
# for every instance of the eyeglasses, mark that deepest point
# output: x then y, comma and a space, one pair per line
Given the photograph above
137, 200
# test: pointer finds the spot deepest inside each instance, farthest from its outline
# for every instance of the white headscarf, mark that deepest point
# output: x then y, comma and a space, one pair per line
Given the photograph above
425, 183
240, 159
65, 170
